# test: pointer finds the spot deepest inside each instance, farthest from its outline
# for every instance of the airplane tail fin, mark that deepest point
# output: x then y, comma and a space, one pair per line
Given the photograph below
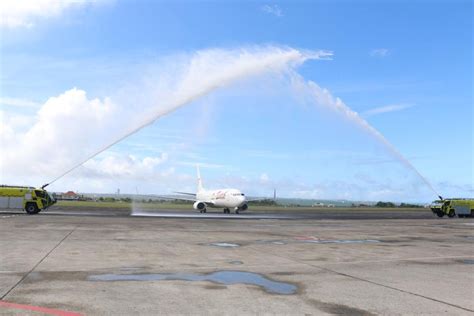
199, 180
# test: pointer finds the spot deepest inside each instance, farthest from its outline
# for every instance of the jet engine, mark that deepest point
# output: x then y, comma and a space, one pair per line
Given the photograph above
199, 205
241, 208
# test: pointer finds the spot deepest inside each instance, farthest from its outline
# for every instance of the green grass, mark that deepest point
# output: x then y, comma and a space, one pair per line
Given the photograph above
184, 206
119, 205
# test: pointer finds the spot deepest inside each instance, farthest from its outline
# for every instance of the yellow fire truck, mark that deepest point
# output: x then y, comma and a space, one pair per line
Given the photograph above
453, 207
32, 200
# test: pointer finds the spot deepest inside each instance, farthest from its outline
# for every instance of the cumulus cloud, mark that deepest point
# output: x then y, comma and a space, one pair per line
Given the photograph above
386, 109
273, 10
25, 13
379, 52
17, 102
64, 128
264, 178
124, 166
72, 127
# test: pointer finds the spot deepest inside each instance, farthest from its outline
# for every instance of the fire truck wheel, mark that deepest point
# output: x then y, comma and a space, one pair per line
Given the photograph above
440, 214
31, 208
451, 213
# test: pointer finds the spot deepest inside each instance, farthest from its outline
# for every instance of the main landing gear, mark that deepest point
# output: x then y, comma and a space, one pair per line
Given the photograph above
202, 211
227, 211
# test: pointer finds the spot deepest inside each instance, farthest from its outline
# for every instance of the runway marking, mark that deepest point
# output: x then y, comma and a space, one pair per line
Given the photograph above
397, 289
45, 310
373, 282
37, 264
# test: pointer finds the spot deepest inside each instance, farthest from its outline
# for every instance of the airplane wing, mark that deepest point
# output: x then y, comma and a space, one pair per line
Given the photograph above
180, 198
184, 199
186, 193
258, 199
187, 199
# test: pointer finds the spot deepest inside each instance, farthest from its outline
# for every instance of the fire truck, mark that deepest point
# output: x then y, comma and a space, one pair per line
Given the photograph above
453, 207
31, 200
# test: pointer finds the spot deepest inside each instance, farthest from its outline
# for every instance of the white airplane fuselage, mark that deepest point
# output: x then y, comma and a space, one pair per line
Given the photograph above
227, 199
224, 198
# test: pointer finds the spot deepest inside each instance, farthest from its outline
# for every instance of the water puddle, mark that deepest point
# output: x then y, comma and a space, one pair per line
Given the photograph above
220, 277
315, 240
342, 241
132, 268
236, 262
224, 244
468, 261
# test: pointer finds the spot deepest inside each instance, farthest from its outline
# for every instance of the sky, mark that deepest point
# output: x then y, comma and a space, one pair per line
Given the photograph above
358, 100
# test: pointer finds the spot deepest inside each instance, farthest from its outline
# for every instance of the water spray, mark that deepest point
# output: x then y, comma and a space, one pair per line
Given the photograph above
205, 75
195, 84
323, 97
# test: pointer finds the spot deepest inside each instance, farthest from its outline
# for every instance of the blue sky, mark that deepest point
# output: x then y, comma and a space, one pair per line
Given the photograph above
404, 66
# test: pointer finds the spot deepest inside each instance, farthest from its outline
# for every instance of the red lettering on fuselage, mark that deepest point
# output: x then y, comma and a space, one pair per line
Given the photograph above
219, 195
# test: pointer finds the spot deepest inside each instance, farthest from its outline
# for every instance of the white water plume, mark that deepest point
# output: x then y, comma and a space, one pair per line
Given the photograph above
322, 97
80, 128
207, 71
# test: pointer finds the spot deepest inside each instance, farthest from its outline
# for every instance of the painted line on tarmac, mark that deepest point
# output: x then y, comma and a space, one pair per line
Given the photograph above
322, 267
45, 310
38, 263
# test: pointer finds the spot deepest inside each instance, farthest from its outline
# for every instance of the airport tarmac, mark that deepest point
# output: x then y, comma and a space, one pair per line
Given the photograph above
280, 213
73, 264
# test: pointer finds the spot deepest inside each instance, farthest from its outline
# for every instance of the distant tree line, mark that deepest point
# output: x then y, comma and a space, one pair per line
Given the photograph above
266, 202
391, 204
130, 200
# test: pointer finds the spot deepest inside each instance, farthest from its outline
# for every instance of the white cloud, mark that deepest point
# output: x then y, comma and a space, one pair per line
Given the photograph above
18, 102
70, 127
273, 10
201, 164
264, 178
25, 13
124, 166
379, 52
386, 109
64, 128
309, 193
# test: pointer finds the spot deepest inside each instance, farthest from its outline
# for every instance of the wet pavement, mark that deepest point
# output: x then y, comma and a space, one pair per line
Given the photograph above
116, 264
220, 277
188, 213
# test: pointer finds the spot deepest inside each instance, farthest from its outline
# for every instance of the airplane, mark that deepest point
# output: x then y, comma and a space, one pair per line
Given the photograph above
228, 199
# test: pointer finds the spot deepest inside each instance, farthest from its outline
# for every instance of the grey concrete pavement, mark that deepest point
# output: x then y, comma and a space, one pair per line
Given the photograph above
362, 267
